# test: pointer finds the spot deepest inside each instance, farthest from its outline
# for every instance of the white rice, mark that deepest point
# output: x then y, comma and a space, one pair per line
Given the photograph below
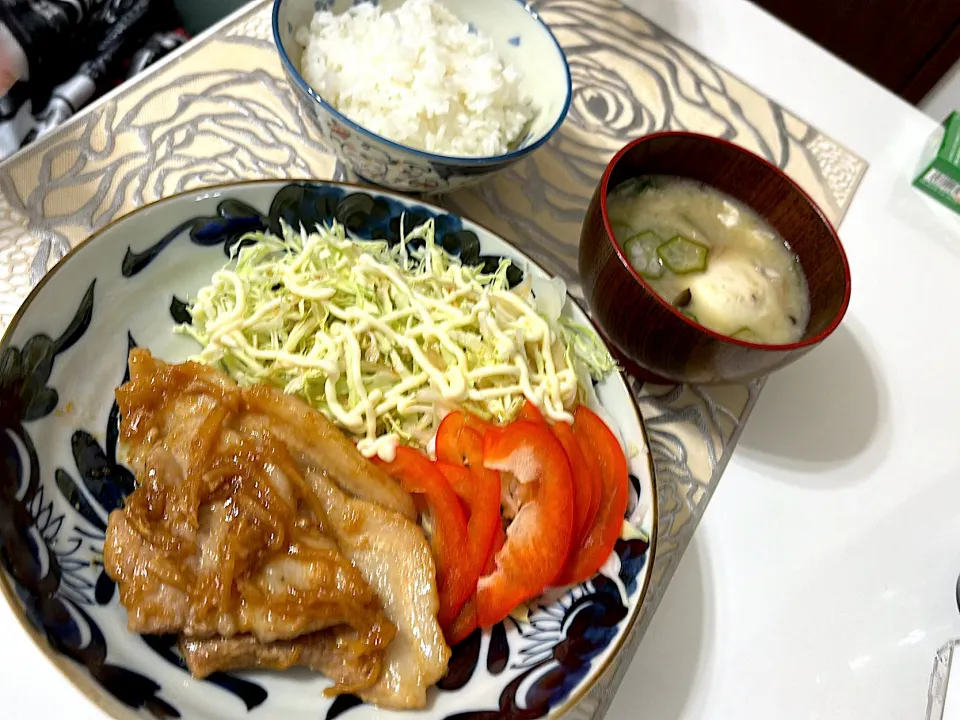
418, 76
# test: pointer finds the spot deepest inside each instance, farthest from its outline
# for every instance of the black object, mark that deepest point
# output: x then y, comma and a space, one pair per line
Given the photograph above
159, 45
908, 46
76, 50
51, 33
93, 77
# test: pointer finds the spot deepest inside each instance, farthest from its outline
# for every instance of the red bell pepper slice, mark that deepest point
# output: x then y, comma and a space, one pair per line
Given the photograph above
463, 624
459, 420
592, 464
466, 621
530, 412
583, 483
460, 442
586, 475
592, 552
499, 538
481, 494
420, 477
538, 539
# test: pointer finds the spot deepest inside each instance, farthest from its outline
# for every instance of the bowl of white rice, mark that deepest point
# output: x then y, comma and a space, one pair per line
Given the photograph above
424, 95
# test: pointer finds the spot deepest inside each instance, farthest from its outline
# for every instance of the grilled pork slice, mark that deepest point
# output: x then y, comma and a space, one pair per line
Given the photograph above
260, 535
393, 555
198, 393
308, 587
223, 536
316, 442
340, 654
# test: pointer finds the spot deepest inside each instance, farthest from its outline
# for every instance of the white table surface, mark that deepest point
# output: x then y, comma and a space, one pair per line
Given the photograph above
821, 580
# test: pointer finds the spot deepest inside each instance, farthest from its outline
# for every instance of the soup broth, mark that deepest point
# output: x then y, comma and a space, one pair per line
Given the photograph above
712, 257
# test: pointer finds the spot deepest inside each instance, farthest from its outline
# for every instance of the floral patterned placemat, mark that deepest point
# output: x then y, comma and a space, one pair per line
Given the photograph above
220, 110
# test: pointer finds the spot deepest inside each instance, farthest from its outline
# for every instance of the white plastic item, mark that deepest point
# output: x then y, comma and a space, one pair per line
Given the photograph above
943, 694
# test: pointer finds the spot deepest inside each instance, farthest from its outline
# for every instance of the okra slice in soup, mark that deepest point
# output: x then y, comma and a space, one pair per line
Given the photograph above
642, 254
682, 256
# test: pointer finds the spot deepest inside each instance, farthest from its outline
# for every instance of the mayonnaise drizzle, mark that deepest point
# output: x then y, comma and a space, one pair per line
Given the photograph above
384, 344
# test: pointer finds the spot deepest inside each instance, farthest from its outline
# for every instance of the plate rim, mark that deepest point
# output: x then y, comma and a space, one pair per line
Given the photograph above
86, 685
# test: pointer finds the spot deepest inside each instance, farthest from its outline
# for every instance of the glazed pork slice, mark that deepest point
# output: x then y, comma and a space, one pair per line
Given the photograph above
316, 442
223, 536
262, 537
393, 555
153, 604
158, 392
338, 653
309, 587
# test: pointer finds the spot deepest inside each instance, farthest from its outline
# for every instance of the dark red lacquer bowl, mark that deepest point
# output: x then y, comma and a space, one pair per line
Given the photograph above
652, 338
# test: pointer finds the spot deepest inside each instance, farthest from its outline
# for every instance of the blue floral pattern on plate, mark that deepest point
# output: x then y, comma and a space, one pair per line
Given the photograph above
60, 477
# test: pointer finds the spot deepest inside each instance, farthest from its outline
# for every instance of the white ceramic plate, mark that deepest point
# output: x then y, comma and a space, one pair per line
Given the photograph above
60, 361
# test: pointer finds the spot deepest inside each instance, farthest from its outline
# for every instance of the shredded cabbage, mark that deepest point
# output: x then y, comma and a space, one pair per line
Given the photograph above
384, 342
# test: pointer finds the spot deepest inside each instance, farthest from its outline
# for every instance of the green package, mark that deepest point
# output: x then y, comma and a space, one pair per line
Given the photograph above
939, 174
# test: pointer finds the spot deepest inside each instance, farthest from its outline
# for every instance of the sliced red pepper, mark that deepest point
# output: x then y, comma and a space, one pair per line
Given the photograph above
499, 538
420, 477
459, 420
592, 463
586, 476
592, 552
530, 412
583, 482
538, 539
481, 494
460, 442
463, 624
466, 621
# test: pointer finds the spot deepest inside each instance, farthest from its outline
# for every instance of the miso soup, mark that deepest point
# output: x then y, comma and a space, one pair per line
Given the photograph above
713, 258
